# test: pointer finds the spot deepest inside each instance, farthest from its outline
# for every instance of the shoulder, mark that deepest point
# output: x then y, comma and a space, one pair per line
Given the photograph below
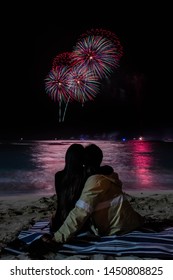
100, 177
93, 186
94, 180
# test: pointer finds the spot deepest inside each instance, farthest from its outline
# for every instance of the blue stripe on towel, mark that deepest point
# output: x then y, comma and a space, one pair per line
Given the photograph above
148, 245
29, 237
35, 232
137, 243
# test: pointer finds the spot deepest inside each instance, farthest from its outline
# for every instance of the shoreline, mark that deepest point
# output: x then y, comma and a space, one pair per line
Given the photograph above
35, 196
148, 192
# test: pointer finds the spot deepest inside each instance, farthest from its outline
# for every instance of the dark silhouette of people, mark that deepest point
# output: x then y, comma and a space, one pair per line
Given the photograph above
102, 201
70, 181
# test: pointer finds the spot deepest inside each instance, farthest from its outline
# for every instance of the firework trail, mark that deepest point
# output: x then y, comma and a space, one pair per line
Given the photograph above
82, 85
99, 51
56, 85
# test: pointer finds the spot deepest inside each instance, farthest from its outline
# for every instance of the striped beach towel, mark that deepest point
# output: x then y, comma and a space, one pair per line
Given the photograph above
137, 243
147, 245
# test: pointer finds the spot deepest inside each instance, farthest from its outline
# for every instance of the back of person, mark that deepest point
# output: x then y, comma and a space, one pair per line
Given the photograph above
102, 201
69, 183
111, 212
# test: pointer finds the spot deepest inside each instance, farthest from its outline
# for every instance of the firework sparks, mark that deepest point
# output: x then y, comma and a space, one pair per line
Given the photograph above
109, 35
99, 51
56, 86
76, 75
62, 59
83, 84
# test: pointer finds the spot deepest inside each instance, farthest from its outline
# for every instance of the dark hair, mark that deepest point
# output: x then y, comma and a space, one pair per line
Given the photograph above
93, 155
69, 182
74, 159
93, 159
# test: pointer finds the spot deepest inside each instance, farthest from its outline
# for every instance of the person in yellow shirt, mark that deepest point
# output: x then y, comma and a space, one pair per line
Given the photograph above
102, 201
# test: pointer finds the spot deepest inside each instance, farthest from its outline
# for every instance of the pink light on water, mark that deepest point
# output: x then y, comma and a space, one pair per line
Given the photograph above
143, 162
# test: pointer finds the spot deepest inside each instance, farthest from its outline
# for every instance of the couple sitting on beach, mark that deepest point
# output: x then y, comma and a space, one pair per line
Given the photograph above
90, 197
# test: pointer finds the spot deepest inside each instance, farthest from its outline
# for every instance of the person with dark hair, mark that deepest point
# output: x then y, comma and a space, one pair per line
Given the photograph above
102, 201
93, 160
69, 183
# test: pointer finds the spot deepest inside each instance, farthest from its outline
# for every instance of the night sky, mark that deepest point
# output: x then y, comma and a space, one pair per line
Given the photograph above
138, 95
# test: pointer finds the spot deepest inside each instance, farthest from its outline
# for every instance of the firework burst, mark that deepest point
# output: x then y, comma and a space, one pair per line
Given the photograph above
99, 51
109, 35
56, 86
83, 85
76, 75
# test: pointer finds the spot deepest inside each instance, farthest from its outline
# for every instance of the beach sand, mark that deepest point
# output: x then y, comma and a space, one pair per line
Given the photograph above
18, 213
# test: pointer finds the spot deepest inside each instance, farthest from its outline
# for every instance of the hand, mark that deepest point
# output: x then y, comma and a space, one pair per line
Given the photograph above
50, 243
46, 237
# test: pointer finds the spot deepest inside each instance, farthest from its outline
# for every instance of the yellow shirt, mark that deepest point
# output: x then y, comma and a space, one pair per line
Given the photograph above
104, 202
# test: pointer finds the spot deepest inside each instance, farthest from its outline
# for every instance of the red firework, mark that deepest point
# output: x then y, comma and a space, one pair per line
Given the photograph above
62, 59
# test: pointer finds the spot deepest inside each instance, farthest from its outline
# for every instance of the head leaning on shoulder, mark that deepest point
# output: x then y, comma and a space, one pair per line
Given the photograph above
93, 157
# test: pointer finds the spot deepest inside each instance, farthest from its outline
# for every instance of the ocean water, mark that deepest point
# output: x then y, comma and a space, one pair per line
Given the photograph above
29, 167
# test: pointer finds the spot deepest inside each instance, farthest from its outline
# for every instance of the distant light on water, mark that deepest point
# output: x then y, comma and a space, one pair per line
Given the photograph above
143, 161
